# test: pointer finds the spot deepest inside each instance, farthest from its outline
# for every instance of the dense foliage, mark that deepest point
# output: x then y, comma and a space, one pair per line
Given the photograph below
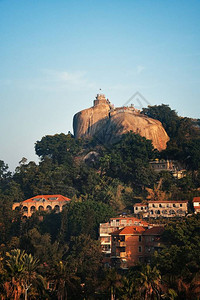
63, 248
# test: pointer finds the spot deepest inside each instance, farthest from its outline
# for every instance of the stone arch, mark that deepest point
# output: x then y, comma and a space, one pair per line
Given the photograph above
25, 208
48, 208
57, 208
41, 208
33, 209
17, 208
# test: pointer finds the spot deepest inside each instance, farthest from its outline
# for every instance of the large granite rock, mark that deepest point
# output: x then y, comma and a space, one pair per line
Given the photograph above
108, 124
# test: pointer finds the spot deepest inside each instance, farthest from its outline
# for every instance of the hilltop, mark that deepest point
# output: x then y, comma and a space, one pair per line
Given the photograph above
108, 124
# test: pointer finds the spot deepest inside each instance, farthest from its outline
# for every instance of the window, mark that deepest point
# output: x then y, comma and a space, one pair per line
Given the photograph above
181, 205
52, 198
122, 238
25, 208
33, 209
57, 208
174, 205
140, 259
140, 238
41, 208
160, 205
49, 208
141, 207
140, 249
106, 239
136, 208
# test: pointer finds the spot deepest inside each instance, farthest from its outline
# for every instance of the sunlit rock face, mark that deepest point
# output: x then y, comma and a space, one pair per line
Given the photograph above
107, 123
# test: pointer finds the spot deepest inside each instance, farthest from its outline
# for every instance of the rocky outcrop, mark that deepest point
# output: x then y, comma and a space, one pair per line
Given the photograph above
108, 124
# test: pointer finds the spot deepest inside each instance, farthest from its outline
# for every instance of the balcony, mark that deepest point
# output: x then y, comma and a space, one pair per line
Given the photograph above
120, 244
122, 254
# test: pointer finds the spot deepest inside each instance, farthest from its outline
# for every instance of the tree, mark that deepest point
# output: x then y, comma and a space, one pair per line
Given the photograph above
167, 116
63, 277
111, 283
22, 274
59, 147
129, 161
150, 283
5, 175
84, 218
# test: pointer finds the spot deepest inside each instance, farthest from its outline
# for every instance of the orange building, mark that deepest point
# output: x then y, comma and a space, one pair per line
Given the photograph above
133, 244
114, 224
152, 242
127, 246
196, 204
41, 203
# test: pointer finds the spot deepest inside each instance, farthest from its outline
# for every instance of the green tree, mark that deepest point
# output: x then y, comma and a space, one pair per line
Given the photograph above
167, 116
59, 147
129, 161
150, 283
21, 274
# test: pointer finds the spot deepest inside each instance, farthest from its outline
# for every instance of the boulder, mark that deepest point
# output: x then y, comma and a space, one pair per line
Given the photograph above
108, 124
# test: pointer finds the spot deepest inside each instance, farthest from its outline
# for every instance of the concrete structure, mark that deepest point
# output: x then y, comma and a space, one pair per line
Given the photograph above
163, 208
169, 166
101, 99
112, 225
141, 209
196, 204
133, 244
41, 203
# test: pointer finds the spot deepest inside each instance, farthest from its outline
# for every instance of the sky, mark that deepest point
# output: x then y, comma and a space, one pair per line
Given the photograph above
56, 55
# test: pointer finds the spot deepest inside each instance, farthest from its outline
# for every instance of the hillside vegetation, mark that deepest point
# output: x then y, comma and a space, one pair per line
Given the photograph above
102, 181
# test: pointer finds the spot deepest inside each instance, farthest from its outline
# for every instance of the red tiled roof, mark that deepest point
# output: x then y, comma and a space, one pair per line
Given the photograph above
140, 204
196, 199
157, 230
46, 197
169, 201
197, 207
129, 230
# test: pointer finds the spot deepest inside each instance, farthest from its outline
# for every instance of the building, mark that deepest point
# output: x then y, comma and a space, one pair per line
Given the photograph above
196, 204
169, 166
134, 244
152, 242
164, 208
112, 225
41, 203
100, 99
141, 209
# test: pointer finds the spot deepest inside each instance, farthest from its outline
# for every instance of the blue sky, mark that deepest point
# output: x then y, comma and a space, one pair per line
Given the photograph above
55, 55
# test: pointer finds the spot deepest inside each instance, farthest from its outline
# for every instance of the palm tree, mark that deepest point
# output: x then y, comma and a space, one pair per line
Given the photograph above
112, 282
63, 277
150, 283
128, 289
22, 274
